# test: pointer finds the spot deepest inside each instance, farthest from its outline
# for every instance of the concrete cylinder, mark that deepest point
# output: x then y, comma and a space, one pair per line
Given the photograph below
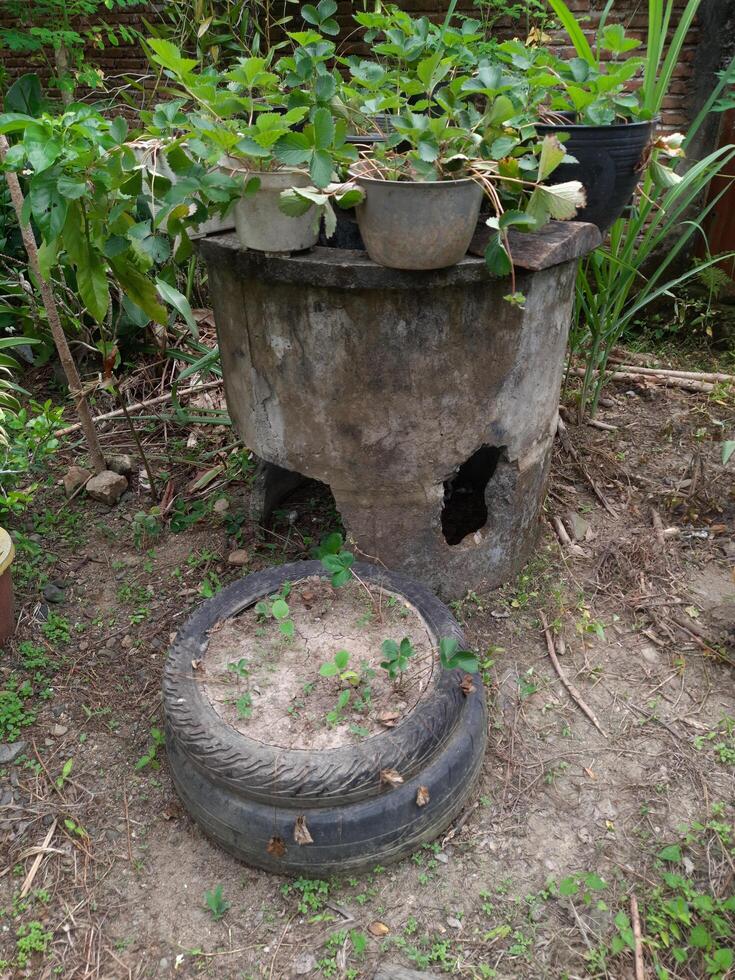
425, 401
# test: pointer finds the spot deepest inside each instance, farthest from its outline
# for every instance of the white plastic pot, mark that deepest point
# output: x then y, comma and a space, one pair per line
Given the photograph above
262, 226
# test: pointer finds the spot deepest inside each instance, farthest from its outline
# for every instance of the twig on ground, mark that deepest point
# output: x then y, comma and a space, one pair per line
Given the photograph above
37, 860
571, 689
658, 528
567, 444
136, 406
127, 824
564, 540
455, 829
640, 972
636, 374
710, 376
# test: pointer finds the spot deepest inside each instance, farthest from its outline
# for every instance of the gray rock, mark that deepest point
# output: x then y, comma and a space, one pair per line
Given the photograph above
221, 506
75, 477
107, 487
304, 963
52, 593
58, 730
121, 463
578, 526
9, 751
238, 557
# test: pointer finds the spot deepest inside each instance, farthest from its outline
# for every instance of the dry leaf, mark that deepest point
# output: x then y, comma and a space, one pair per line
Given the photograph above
390, 777
378, 928
276, 847
389, 718
301, 832
422, 796
196, 664
589, 772
467, 686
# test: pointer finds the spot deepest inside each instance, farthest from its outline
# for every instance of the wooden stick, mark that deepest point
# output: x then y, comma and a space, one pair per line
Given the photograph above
37, 861
597, 424
673, 373
564, 540
658, 528
136, 406
571, 689
640, 971
687, 384
57, 331
565, 440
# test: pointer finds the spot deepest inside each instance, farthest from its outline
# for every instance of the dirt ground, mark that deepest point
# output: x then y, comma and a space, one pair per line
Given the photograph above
575, 825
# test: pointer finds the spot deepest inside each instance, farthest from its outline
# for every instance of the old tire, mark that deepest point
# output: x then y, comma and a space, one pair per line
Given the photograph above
247, 795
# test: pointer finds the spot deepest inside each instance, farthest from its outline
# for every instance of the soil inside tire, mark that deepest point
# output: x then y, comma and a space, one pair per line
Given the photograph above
268, 686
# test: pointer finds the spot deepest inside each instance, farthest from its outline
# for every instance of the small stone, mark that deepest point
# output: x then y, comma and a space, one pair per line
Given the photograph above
221, 506
107, 487
163, 963
441, 857
303, 964
121, 463
52, 593
6, 796
74, 478
650, 654
9, 751
58, 730
578, 526
127, 642
453, 922
238, 557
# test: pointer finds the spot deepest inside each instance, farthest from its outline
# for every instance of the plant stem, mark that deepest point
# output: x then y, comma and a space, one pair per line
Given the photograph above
139, 444
57, 331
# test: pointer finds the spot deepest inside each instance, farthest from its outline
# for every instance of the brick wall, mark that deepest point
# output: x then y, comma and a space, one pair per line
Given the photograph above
680, 104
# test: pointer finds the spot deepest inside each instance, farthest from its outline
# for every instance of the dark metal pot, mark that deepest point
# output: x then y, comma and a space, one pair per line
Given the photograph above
609, 165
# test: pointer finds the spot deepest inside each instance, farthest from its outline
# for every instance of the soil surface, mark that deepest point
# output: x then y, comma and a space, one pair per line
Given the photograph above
286, 700
573, 825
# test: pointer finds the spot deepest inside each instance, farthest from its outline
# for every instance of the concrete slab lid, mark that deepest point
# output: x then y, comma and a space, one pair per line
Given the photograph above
558, 242
7, 550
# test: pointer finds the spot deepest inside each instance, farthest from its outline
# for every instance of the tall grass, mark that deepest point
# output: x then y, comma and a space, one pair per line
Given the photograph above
612, 288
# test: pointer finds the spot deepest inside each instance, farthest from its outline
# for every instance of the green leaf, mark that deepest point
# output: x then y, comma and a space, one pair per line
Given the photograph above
168, 56
279, 609
670, 853
390, 648
728, 448
568, 886
139, 288
293, 203
14, 122
700, 937
342, 699
341, 658
502, 109
340, 578
292, 149
92, 282
323, 129
328, 670
169, 294
119, 129
25, 96
497, 258
288, 629
466, 661
71, 187
552, 154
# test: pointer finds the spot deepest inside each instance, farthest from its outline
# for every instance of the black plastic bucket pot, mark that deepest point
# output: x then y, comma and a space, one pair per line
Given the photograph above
609, 160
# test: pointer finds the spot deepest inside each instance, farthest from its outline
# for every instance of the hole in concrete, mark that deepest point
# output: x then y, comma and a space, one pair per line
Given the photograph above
464, 509
307, 511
